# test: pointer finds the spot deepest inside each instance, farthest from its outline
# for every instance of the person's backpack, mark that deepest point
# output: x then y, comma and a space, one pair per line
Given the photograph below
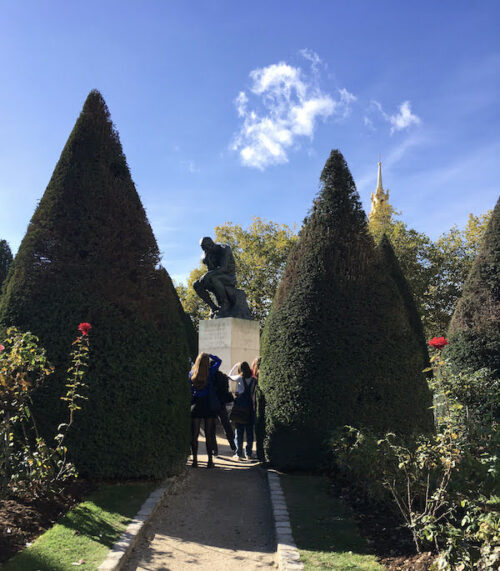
221, 381
241, 412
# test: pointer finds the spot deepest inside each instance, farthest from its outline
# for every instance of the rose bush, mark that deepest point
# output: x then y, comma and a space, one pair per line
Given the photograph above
84, 328
27, 461
438, 342
445, 486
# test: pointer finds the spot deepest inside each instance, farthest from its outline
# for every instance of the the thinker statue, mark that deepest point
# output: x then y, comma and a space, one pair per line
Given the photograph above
220, 280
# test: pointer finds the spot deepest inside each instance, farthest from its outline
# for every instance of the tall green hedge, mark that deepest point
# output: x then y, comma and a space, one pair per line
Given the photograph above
391, 262
89, 254
338, 347
474, 333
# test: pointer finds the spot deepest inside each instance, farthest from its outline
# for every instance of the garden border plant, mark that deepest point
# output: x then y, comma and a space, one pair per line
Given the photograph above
443, 485
28, 464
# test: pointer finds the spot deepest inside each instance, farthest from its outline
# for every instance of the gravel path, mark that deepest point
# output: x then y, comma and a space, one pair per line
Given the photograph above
220, 520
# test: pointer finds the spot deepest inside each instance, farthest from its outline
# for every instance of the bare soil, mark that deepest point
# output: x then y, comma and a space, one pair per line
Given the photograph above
387, 537
24, 518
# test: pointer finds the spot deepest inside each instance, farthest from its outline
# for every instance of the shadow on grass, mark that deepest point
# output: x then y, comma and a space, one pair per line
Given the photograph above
121, 502
86, 532
322, 527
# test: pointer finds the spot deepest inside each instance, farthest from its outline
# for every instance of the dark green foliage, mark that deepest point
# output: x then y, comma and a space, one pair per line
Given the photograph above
389, 258
474, 333
338, 347
190, 331
5, 260
90, 255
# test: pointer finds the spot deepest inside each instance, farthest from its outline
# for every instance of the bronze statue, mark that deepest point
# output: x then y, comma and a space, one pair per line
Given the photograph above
220, 280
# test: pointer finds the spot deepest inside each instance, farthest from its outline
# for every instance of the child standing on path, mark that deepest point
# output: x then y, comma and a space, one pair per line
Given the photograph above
243, 413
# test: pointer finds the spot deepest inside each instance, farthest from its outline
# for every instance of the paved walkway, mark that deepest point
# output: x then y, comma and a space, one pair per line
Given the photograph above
219, 520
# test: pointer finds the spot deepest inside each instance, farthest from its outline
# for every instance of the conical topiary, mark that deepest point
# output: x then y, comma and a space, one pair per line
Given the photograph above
391, 262
474, 333
333, 349
89, 254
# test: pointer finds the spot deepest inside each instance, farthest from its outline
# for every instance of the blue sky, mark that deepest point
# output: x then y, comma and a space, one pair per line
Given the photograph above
228, 110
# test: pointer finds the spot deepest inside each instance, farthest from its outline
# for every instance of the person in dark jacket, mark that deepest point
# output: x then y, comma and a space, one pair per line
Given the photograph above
221, 382
201, 378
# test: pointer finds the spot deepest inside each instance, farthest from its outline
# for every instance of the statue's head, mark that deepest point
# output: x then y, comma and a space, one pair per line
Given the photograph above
207, 244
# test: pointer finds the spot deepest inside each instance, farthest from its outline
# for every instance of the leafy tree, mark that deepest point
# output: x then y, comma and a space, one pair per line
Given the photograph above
5, 260
436, 271
338, 347
475, 327
260, 252
452, 257
192, 304
382, 219
414, 251
90, 255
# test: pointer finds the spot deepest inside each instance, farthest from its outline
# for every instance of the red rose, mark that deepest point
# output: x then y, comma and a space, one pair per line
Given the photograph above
1, 347
438, 342
84, 328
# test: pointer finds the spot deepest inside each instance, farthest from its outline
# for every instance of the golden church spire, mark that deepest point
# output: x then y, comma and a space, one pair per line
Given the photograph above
379, 197
379, 178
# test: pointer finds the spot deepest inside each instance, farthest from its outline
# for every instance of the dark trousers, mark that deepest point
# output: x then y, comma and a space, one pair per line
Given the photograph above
209, 434
241, 429
228, 430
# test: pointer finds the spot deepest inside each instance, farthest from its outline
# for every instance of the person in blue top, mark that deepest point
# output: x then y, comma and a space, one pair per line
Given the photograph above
201, 378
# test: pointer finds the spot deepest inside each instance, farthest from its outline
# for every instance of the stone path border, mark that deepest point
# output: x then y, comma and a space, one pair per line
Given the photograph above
287, 554
118, 554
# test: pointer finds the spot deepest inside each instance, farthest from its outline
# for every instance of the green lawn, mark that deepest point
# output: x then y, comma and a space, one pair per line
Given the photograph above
325, 535
86, 533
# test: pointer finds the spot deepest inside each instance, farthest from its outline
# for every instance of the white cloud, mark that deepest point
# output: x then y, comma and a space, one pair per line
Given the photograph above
286, 105
313, 57
403, 119
241, 104
346, 98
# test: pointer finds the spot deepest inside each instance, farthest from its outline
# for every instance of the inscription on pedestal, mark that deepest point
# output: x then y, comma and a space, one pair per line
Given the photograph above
216, 335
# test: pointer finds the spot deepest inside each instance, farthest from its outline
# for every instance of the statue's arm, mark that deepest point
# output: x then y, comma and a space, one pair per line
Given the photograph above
224, 263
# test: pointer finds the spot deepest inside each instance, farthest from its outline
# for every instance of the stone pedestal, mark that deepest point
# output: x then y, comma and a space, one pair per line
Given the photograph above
231, 339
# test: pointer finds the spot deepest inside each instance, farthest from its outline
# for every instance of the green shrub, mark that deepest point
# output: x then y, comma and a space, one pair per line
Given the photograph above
445, 486
89, 254
393, 267
356, 464
474, 332
338, 347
